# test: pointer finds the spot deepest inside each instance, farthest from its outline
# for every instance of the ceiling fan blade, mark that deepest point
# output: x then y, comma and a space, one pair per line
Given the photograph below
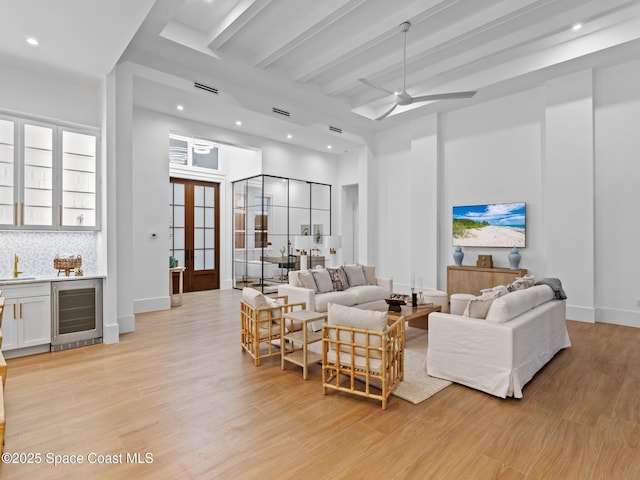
375, 85
387, 113
444, 96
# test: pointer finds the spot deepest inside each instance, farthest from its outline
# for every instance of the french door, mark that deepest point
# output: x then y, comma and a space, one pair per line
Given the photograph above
194, 232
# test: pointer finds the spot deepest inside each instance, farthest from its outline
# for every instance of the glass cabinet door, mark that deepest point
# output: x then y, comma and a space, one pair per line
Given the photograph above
79, 179
37, 206
8, 204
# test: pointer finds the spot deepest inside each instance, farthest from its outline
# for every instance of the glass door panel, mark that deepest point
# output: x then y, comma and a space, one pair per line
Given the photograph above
7, 173
176, 223
38, 176
79, 179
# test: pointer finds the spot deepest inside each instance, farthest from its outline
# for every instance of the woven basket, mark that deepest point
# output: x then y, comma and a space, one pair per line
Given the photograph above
67, 264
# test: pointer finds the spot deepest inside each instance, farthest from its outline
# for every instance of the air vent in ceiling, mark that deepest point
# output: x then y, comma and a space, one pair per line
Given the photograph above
335, 129
281, 112
207, 88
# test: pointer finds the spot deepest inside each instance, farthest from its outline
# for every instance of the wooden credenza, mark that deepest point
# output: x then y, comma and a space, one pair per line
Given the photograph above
473, 279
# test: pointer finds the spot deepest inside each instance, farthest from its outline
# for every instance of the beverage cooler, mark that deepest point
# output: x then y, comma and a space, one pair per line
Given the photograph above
77, 313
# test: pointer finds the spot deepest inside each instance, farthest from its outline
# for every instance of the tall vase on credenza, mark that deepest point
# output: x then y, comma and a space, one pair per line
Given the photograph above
514, 259
458, 255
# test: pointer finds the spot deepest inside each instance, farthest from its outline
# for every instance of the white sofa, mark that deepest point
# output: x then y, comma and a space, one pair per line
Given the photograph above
370, 296
522, 331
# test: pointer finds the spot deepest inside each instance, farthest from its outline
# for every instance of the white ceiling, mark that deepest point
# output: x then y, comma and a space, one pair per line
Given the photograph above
306, 56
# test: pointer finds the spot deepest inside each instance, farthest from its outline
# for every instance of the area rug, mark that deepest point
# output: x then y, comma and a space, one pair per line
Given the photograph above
417, 386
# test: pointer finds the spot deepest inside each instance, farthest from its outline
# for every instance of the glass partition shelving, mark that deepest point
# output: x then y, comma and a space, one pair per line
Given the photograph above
268, 213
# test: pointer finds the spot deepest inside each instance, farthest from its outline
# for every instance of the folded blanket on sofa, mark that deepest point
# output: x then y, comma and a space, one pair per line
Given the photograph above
556, 286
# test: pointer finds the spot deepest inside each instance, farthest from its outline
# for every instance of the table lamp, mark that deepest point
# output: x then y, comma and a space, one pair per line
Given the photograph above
332, 242
302, 243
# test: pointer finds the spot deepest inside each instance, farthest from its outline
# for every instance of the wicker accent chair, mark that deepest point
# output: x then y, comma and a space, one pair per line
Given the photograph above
362, 352
260, 318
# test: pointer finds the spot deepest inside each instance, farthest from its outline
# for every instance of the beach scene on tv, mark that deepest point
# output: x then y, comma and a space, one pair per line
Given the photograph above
493, 225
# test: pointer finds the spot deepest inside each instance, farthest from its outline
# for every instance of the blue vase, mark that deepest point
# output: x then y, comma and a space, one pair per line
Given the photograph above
514, 259
458, 255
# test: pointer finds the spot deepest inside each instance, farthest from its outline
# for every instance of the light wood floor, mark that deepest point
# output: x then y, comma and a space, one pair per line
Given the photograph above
180, 389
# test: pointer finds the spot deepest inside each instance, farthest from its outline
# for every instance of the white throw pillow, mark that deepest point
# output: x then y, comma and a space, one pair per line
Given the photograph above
369, 274
501, 289
323, 280
306, 279
254, 298
355, 275
479, 306
357, 318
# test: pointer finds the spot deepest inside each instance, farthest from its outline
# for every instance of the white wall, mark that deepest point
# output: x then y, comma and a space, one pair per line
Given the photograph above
617, 171
568, 149
407, 203
491, 153
150, 175
48, 97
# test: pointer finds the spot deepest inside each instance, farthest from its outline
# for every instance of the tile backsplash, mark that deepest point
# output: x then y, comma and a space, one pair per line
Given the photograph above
37, 250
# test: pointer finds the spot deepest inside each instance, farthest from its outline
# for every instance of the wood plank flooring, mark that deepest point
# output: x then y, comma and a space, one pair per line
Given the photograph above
180, 390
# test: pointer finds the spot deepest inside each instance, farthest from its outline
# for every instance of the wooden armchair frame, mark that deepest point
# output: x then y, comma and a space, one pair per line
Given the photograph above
261, 327
374, 364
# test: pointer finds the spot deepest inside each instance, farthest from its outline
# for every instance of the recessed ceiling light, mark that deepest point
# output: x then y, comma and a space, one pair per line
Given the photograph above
289, 136
32, 41
180, 107
576, 26
238, 123
329, 147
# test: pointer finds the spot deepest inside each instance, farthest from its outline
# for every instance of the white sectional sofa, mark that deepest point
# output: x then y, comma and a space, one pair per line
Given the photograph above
369, 294
499, 354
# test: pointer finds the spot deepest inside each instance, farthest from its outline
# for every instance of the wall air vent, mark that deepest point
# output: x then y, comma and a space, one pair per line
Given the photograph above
207, 88
335, 129
280, 112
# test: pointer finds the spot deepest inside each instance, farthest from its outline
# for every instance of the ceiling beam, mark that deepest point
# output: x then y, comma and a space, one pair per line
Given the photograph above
304, 29
238, 18
369, 37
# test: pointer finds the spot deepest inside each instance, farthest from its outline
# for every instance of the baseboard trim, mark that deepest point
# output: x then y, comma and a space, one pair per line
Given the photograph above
581, 314
616, 316
127, 324
151, 304
110, 333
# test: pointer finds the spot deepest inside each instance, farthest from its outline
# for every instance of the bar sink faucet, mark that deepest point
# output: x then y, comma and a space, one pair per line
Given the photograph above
16, 272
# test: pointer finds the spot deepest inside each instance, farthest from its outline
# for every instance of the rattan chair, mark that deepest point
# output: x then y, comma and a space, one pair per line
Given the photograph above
260, 319
362, 352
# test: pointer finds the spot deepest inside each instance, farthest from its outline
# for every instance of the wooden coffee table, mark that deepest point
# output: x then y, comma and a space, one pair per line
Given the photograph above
417, 317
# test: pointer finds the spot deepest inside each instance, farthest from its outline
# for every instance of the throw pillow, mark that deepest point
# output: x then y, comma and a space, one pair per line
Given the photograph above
369, 274
306, 279
253, 298
361, 319
501, 289
355, 275
338, 279
520, 283
323, 280
479, 306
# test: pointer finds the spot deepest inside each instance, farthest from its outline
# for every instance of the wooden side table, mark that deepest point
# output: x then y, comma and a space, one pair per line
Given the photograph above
176, 300
300, 356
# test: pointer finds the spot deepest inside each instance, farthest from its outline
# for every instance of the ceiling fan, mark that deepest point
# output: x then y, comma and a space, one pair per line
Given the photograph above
402, 97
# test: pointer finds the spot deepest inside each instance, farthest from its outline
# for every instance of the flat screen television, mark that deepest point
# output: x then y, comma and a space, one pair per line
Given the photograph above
490, 225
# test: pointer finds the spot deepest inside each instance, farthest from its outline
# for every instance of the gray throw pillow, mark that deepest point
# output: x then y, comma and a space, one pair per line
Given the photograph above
355, 275
323, 280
